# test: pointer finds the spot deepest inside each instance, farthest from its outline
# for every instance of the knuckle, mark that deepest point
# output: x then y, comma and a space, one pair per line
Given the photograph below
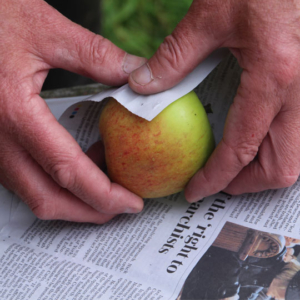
42, 208
43, 213
107, 203
172, 52
64, 171
245, 152
96, 50
287, 67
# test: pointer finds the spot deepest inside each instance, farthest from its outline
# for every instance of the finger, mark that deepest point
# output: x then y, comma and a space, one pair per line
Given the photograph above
79, 50
247, 124
37, 189
61, 157
191, 41
278, 161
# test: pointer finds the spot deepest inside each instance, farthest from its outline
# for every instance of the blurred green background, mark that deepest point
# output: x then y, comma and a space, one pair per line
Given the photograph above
139, 26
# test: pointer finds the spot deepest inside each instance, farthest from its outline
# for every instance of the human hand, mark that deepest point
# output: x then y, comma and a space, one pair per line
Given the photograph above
39, 160
260, 148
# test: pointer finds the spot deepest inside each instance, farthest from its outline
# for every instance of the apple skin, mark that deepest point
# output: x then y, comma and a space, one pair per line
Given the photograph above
157, 158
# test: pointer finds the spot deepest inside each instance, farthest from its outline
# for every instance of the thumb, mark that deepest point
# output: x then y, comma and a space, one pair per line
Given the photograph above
192, 40
64, 44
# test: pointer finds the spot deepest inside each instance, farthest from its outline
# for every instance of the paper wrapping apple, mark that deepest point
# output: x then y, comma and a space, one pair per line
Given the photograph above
157, 158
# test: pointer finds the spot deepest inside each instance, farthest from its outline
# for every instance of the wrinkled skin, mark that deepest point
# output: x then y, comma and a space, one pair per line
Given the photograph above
260, 148
39, 160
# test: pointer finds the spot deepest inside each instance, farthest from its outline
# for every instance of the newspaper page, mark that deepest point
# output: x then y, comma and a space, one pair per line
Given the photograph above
144, 256
221, 247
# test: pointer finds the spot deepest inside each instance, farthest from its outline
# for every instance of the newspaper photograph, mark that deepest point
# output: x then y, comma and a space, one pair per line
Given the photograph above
243, 263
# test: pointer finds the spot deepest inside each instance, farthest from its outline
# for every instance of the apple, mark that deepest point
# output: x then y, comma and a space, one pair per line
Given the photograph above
157, 158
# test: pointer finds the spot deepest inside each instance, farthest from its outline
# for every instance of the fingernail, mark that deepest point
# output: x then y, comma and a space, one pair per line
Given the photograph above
132, 62
142, 75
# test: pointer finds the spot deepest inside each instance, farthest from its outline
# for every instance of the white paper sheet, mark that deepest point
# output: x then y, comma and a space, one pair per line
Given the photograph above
149, 106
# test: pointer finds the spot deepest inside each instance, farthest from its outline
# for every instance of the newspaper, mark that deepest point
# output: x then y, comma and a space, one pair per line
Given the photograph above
221, 247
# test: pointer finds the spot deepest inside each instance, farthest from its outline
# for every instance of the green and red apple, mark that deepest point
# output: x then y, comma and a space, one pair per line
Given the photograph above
156, 158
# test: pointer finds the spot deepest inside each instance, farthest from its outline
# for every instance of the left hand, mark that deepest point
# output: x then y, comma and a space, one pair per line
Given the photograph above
39, 159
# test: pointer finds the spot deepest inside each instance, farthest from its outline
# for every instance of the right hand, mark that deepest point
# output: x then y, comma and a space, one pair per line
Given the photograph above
39, 160
260, 148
